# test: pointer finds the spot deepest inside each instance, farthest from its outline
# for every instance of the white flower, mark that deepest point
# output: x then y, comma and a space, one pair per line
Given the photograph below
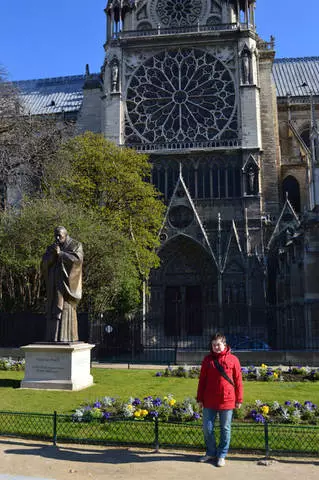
275, 405
128, 410
285, 414
78, 415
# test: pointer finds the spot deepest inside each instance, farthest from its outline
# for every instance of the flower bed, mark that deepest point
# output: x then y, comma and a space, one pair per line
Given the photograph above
291, 412
255, 373
10, 364
148, 408
270, 374
167, 409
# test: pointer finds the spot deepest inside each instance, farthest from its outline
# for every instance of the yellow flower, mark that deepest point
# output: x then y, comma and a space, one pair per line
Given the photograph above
165, 398
263, 365
275, 375
137, 413
144, 413
172, 402
130, 407
265, 409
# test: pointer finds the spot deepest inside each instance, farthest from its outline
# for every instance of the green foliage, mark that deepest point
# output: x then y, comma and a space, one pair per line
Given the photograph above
114, 182
100, 193
109, 272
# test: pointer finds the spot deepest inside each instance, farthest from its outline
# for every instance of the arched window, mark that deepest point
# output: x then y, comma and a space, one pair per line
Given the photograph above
305, 135
291, 187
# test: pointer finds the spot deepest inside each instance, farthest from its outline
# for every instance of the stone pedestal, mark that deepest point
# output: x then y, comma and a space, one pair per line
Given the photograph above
57, 366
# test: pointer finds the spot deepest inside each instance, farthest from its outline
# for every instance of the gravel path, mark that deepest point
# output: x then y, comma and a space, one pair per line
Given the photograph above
26, 460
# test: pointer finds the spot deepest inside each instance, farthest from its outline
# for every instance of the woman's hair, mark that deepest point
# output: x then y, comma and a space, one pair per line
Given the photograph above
217, 336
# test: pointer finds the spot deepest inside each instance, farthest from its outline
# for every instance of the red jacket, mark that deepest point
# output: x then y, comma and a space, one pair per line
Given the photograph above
214, 391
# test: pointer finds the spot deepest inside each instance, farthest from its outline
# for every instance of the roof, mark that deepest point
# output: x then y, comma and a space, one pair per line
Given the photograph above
291, 73
65, 94
52, 95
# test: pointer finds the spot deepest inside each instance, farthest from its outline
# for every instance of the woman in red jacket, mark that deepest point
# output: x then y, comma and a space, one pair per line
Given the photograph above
220, 390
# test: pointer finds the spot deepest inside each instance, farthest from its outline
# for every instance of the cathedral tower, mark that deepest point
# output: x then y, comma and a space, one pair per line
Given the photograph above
190, 83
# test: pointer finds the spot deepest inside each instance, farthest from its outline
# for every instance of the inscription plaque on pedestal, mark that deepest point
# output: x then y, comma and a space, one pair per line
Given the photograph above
57, 366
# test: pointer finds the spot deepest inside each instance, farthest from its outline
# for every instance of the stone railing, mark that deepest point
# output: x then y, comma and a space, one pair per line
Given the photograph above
179, 30
176, 146
263, 45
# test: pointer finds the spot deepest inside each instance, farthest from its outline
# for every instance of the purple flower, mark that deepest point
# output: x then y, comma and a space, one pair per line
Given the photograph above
136, 402
269, 373
148, 398
259, 418
154, 413
158, 374
196, 416
106, 415
244, 370
97, 404
87, 408
157, 402
288, 403
253, 413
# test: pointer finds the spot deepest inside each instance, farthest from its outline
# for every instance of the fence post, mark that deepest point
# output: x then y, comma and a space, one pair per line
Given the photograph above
54, 427
266, 430
156, 442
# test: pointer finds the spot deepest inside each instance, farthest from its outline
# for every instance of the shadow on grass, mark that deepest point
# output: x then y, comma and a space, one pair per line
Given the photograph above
9, 383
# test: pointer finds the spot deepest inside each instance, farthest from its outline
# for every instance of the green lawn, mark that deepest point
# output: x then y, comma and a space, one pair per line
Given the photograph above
126, 383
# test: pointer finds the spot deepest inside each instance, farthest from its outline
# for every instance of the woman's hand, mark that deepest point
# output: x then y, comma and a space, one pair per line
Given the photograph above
237, 405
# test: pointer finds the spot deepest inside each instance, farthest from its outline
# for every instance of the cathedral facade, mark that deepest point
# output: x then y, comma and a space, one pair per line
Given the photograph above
232, 137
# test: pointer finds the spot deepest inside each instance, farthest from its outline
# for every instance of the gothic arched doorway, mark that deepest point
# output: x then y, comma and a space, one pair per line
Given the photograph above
184, 288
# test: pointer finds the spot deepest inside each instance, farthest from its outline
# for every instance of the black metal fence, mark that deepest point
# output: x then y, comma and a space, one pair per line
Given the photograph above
149, 339
154, 339
22, 328
266, 439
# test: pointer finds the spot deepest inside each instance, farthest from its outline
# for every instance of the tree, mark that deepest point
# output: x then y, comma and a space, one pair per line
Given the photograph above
99, 193
26, 143
114, 182
111, 280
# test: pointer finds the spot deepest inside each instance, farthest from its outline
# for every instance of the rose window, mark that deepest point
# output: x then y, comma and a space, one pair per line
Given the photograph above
185, 95
178, 13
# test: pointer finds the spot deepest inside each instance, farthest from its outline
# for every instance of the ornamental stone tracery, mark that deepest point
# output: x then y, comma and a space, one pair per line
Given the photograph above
183, 95
178, 13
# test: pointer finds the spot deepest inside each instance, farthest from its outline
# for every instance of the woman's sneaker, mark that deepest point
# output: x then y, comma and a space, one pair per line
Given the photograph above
221, 462
206, 458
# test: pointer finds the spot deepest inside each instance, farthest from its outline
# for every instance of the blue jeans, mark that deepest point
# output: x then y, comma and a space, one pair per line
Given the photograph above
225, 418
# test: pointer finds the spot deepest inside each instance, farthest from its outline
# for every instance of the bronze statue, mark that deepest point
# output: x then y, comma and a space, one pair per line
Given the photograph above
62, 270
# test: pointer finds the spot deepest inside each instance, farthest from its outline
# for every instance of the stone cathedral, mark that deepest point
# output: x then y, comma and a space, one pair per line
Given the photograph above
232, 137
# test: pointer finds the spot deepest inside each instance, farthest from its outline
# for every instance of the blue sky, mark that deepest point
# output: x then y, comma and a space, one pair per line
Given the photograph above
51, 38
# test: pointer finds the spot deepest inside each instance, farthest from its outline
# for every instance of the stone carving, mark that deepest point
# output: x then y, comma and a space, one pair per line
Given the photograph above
62, 270
245, 64
182, 95
178, 13
115, 76
251, 181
